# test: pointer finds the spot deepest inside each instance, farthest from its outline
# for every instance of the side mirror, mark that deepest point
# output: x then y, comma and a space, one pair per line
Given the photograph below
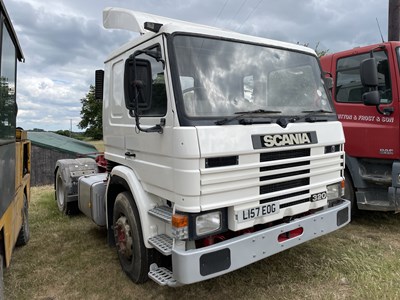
329, 82
137, 84
369, 73
371, 98
99, 85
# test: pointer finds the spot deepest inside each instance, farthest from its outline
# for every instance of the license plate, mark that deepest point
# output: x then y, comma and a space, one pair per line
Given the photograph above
258, 212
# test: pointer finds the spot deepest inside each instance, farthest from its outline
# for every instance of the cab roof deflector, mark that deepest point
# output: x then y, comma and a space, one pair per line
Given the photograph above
121, 18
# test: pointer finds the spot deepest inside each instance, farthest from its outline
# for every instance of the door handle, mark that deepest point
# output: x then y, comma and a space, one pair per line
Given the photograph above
130, 154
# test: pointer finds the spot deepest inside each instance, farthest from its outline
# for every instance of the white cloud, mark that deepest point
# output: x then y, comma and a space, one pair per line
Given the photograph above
63, 41
48, 103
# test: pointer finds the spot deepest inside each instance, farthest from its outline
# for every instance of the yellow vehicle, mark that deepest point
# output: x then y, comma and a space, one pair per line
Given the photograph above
15, 150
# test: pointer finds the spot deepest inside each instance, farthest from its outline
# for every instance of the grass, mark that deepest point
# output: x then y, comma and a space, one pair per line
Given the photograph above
99, 144
68, 258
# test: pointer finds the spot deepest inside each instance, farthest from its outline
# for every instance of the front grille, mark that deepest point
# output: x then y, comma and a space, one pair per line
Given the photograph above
284, 196
270, 156
286, 170
294, 203
283, 175
275, 175
283, 166
275, 187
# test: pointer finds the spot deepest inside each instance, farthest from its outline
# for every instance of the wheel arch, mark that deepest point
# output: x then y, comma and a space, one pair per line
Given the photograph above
352, 168
124, 179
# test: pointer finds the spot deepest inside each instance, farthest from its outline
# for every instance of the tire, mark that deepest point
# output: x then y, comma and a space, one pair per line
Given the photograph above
25, 233
349, 193
132, 253
67, 208
1, 276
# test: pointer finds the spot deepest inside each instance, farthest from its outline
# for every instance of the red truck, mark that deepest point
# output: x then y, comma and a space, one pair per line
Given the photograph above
366, 96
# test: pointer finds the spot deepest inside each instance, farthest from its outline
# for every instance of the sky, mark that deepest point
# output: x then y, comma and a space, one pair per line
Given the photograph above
64, 41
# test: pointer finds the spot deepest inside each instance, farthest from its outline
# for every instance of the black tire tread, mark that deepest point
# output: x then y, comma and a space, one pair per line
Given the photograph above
350, 194
69, 208
24, 234
136, 271
2, 296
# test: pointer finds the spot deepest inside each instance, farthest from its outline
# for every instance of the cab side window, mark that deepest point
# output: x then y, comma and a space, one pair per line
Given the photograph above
7, 88
158, 91
348, 82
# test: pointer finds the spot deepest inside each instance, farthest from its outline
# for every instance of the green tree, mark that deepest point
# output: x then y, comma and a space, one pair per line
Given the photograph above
64, 132
8, 109
91, 114
319, 52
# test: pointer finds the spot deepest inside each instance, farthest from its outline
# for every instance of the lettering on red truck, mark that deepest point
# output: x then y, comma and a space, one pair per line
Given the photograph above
386, 151
365, 118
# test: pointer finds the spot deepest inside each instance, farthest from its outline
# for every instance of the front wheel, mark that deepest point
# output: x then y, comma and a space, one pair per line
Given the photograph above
132, 253
1, 276
24, 234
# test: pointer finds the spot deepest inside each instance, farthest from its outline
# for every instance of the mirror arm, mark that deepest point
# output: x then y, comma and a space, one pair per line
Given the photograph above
157, 128
133, 113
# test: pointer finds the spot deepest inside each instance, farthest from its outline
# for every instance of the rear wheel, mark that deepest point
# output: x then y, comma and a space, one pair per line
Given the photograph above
24, 234
67, 208
132, 253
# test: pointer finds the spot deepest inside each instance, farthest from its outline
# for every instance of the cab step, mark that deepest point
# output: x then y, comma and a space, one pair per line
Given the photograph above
162, 212
162, 242
378, 179
161, 275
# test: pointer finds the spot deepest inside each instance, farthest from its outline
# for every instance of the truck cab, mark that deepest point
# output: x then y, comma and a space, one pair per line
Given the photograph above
372, 131
222, 149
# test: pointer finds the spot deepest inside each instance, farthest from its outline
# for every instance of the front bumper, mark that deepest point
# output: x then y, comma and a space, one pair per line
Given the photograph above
218, 259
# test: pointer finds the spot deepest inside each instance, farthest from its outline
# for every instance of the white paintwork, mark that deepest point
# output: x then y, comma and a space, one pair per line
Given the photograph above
120, 18
144, 202
171, 166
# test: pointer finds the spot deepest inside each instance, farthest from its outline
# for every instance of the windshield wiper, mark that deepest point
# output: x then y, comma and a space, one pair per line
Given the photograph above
310, 114
241, 114
258, 111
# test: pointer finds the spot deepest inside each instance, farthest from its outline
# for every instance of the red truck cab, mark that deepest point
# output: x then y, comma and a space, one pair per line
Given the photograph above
372, 132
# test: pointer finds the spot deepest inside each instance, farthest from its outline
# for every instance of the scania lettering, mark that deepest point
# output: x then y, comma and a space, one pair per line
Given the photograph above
286, 139
190, 190
366, 97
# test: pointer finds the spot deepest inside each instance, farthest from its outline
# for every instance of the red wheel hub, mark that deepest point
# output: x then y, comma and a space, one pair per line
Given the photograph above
123, 236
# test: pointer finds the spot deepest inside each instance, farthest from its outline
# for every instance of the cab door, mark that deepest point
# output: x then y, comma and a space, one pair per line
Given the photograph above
369, 134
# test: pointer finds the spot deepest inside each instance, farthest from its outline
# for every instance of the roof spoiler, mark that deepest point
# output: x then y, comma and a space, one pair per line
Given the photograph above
121, 18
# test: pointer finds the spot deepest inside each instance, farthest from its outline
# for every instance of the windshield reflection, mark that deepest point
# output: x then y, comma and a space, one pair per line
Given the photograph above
220, 78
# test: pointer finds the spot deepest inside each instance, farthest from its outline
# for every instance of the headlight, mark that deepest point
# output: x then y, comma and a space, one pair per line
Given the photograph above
335, 191
194, 226
208, 223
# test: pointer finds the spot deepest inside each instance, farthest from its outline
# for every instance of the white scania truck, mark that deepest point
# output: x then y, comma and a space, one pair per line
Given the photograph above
222, 149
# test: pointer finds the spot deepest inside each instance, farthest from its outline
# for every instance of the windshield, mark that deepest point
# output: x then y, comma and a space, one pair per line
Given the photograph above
219, 78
